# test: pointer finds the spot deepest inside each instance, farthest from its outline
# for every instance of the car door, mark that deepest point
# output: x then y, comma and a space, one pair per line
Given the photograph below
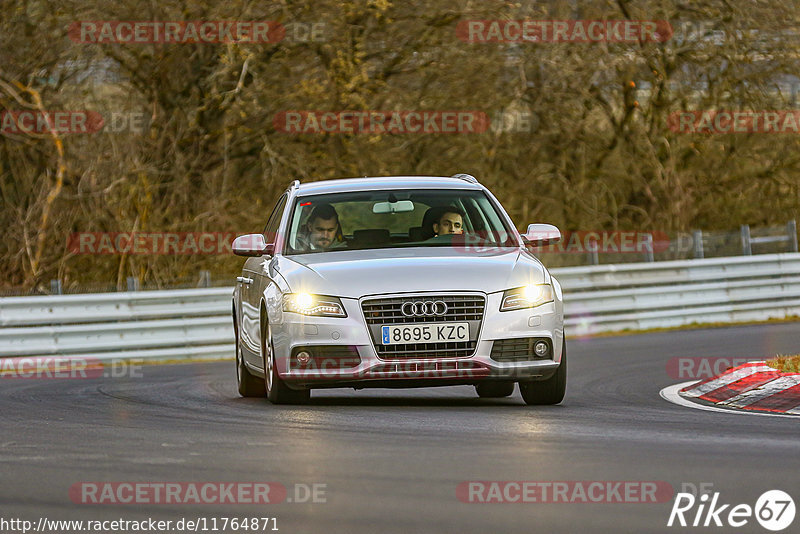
255, 278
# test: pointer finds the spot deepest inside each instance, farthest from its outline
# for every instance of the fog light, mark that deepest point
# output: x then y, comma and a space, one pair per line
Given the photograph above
303, 358
541, 348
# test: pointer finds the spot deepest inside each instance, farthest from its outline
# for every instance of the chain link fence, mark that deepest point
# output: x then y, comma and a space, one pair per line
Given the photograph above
601, 248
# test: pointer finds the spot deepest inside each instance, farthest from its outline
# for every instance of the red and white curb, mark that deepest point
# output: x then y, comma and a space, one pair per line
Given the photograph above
750, 388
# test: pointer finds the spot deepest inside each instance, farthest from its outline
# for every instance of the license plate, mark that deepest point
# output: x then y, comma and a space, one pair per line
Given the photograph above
424, 333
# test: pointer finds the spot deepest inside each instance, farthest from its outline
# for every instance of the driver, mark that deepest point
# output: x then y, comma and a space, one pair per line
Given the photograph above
322, 229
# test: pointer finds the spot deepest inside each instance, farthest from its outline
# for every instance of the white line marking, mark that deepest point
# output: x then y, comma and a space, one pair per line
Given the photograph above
794, 410
773, 387
726, 379
670, 394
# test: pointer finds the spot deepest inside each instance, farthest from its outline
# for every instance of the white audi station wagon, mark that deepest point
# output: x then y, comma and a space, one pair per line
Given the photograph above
396, 282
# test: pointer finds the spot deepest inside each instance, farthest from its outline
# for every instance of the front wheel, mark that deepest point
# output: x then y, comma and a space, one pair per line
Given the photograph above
550, 391
277, 390
248, 385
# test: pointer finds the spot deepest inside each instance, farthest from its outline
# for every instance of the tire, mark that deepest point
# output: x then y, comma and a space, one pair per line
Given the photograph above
276, 389
494, 390
249, 385
550, 391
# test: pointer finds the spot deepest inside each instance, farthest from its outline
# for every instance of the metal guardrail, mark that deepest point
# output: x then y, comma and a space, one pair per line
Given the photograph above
175, 324
196, 323
641, 296
106, 307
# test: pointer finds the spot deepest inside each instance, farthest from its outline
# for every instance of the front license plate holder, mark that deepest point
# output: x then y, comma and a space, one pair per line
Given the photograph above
404, 334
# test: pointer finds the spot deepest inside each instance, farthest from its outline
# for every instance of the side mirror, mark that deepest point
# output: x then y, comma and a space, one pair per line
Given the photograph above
540, 235
252, 245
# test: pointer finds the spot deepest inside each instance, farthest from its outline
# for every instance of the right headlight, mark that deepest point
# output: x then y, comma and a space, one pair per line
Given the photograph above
309, 304
528, 296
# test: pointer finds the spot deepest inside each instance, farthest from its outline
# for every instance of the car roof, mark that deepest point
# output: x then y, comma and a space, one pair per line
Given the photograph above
385, 183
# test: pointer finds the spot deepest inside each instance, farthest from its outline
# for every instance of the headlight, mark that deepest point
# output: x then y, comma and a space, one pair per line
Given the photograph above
309, 304
526, 297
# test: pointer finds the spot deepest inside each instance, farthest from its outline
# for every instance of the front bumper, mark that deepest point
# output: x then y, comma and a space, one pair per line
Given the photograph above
293, 331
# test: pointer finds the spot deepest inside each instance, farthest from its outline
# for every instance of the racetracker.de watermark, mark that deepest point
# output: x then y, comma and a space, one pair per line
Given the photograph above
26, 122
568, 491
175, 32
571, 242
380, 122
616, 241
207, 492
731, 122
47, 122
151, 243
564, 31
68, 367
698, 367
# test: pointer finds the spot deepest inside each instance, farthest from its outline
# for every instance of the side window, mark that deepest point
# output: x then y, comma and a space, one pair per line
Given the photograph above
271, 229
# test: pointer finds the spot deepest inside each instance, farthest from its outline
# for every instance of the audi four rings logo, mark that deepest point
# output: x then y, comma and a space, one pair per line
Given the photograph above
428, 308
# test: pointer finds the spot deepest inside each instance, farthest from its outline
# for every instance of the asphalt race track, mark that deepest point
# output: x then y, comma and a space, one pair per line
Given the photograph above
391, 460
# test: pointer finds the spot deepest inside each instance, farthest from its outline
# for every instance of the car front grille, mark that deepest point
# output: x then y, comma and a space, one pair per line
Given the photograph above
387, 311
459, 308
518, 349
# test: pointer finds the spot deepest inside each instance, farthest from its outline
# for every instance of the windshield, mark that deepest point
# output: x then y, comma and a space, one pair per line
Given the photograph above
391, 219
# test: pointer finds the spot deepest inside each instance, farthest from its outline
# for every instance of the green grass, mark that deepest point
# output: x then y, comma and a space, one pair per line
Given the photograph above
785, 364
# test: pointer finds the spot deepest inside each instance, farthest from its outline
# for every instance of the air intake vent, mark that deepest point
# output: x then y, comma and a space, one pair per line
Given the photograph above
519, 349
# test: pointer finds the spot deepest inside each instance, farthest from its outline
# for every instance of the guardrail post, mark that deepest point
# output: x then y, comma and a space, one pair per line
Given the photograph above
205, 279
697, 238
133, 283
648, 248
791, 229
594, 258
747, 250
55, 287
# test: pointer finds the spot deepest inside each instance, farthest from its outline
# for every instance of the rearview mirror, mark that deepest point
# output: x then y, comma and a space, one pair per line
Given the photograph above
252, 245
400, 206
540, 235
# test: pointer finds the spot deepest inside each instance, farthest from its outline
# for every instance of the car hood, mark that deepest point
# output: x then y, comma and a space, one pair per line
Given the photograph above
358, 273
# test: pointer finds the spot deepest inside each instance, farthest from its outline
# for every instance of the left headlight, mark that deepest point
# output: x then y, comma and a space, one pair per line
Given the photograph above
526, 297
317, 305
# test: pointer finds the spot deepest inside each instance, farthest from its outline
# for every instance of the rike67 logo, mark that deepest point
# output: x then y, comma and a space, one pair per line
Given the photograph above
774, 510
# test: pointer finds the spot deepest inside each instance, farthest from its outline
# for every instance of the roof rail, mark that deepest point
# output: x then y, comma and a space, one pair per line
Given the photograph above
467, 177
294, 185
